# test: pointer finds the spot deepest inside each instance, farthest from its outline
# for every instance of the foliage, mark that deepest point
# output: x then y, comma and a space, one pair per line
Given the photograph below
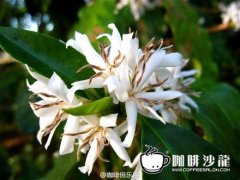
218, 105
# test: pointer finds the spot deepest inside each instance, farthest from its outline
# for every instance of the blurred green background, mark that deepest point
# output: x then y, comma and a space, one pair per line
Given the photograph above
184, 24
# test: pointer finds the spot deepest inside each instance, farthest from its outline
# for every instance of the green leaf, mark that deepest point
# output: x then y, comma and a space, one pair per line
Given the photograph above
63, 168
43, 53
95, 18
25, 119
219, 116
190, 38
175, 140
94, 107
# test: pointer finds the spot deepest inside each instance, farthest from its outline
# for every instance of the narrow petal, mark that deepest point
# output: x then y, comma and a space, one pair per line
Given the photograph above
36, 87
111, 82
92, 120
131, 111
83, 45
84, 84
168, 116
159, 95
115, 143
58, 87
186, 99
129, 48
183, 74
37, 76
109, 120
172, 60
67, 143
121, 129
91, 157
155, 114
49, 112
153, 63
50, 136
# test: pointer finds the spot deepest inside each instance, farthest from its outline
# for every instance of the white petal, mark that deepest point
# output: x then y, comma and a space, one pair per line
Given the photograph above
136, 160
168, 116
187, 73
58, 87
152, 64
49, 112
50, 136
84, 84
36, 87
67, 143
115, 142
92, 120
115, 42
186, 99
121, 129
37, 76
159, 95
131, 111
154, 113
172, 60
129, 48
111, 82
83, 45
91, 157
109, 120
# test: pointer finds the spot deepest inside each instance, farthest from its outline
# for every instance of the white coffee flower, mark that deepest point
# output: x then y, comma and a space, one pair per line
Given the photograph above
231, 14
177, 80
97, 133
53, 93
125, 70
138, 6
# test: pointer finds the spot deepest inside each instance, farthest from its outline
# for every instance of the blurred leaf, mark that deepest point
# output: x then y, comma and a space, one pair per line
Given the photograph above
219, 116
95, 17
63, 166
5, 168
94, 107
179, 141
43, 53
25, 118
189, 37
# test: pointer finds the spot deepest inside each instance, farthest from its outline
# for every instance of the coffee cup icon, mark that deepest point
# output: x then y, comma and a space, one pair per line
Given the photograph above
153, 161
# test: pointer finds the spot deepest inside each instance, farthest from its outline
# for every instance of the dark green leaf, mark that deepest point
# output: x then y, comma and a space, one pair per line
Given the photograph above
26, 120
94, 107
189, 37
43, 53
175, 140
63, 167
219, 116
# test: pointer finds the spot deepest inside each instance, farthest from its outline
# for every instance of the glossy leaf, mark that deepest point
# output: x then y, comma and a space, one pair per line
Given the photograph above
175, 140
219, 114
43, 53
94, 107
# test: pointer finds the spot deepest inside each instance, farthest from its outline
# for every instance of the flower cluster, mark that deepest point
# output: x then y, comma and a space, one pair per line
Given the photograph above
138, 6
147, 81
231, 14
